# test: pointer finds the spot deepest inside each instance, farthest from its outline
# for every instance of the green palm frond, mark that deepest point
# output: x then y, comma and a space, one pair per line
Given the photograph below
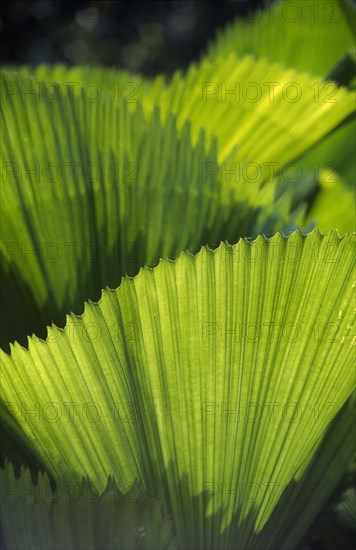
296, 34
93, 191
172, 379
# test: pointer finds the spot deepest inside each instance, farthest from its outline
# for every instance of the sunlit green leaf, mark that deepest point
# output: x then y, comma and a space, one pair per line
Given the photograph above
199, 378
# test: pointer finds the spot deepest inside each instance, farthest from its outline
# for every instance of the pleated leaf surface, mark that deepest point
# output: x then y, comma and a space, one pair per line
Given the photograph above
198, 378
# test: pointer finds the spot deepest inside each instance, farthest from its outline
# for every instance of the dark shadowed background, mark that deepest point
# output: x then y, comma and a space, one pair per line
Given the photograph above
148, 37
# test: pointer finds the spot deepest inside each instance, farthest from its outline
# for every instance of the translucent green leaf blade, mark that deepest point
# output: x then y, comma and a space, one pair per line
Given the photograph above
93, 191
260, 112
176, 375
73, 202
297, 34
